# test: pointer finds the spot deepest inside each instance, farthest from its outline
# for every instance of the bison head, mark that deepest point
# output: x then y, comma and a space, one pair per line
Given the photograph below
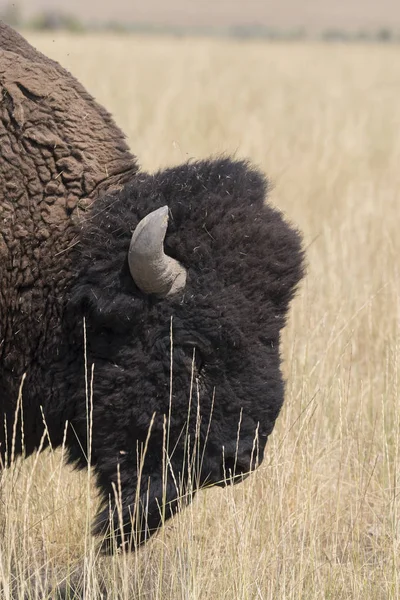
182, 324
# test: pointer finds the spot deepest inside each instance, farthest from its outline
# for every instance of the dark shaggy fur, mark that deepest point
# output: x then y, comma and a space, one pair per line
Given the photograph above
244, 263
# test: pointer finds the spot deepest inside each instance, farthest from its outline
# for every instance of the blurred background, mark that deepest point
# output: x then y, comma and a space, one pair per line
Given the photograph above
251, 18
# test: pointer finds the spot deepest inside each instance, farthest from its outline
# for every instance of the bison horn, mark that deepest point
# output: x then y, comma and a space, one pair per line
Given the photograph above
152, 270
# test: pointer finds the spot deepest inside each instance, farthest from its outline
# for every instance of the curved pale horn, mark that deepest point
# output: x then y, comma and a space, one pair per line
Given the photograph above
152, 270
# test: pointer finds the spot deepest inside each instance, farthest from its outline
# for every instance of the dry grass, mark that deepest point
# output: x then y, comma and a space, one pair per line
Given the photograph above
319, 520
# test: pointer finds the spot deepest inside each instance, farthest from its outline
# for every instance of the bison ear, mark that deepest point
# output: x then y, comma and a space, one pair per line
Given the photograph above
152, 270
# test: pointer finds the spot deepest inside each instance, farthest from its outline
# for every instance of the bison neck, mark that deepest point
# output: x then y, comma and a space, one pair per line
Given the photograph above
59, 150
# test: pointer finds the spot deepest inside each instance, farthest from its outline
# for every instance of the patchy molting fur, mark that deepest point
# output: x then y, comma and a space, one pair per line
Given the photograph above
70, 197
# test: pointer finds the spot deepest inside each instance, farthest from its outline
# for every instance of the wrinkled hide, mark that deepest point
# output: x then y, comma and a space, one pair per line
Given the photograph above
57, 149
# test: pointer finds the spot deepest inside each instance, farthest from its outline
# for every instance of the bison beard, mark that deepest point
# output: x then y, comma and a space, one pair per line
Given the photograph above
197, 299
136, 509
130, 524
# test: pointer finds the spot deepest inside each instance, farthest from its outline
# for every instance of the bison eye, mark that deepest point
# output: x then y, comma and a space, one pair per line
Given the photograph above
197, 360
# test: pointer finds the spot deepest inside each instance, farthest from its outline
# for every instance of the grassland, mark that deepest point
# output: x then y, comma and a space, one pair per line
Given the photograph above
320, 518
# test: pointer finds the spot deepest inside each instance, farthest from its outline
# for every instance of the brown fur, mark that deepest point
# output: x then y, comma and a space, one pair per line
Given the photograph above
58, 150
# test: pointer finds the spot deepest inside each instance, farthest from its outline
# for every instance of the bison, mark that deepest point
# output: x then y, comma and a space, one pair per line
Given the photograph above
148, 306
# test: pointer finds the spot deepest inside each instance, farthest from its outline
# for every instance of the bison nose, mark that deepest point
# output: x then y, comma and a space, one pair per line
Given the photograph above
238, 466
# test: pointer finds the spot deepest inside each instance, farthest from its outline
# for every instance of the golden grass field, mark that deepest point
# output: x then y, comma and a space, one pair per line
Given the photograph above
320, 518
